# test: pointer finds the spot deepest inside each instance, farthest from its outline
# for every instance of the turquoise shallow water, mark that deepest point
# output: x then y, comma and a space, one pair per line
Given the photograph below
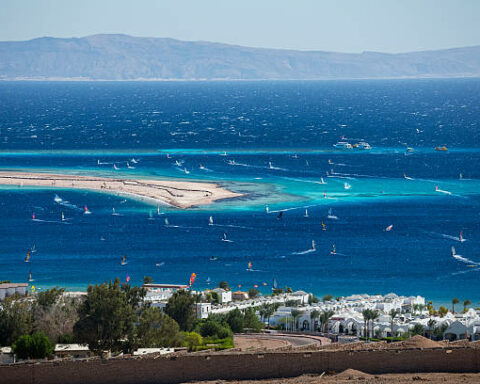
278, 142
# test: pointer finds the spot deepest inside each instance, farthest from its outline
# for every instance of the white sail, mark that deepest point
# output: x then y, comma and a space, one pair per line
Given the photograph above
166, 221
210, 220
306, 213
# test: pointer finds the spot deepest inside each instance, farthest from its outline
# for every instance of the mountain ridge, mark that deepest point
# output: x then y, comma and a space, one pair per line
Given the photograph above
125, 57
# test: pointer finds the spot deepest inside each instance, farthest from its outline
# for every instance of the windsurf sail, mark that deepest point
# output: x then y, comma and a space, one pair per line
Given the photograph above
324, 226
63, 217
115, 167
280, 215
454, 253
27, 258
460, 236
334, 250
347, 186
306, 213
250, 265
267, 209
124, 260
274, 283
314, 246
210, 220
33, 216
389, 228
30, 279
193, 276
166, 221
85, 210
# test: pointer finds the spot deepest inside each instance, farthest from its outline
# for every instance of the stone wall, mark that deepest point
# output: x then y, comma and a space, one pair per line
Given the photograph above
181, 368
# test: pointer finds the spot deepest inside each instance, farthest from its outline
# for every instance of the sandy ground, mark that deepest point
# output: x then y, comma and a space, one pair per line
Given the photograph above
350, 376
181, 194
255, 342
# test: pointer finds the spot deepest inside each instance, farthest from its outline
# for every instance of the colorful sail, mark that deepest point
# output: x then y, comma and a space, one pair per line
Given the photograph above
192, 278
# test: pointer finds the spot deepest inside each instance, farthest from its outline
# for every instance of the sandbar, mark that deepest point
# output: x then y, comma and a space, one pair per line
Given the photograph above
180, 194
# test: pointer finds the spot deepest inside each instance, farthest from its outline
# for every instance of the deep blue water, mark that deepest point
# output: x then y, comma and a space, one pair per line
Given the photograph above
69, 127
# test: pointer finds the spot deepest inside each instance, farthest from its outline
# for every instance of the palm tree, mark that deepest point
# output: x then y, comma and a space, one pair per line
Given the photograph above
431, 326
295, 314
466, 303
393, 313
324, 319
313, 315
374, 316
454, 301
366, 313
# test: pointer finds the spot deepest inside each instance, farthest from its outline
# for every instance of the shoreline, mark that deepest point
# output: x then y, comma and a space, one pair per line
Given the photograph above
179, 194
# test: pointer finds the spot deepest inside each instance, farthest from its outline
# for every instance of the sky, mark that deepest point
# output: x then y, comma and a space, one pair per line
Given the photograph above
331, 25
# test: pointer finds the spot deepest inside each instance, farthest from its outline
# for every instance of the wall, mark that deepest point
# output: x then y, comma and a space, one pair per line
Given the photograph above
176, 369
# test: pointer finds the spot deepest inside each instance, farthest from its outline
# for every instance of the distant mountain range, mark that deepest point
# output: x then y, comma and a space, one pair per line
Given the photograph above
122, 57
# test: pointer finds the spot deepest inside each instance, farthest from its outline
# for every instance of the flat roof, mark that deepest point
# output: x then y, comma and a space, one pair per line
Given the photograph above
13, 285
178, 286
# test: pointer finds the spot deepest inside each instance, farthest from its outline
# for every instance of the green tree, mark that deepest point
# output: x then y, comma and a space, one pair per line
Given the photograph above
192, 340
36, 346
251, 321
295, 313
313, 316
327, 298
466, 303
417, 330
105, 317
49, 297
439, 331
235, 320
431, 327
147, 280
312, 299
213, 328
253, 293
454, 301
15, 319
366, 313
224, 285
374, 315
325, 317
442, 311
155, 329
180, 307
393, 313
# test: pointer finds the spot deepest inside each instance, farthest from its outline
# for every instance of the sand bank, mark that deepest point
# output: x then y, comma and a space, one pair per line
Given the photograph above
181, 194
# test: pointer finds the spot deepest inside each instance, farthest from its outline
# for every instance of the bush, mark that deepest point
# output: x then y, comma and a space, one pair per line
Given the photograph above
192, 340
36, 346
215, 329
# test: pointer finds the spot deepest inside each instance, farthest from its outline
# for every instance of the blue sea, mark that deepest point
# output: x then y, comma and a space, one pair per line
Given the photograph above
272, 141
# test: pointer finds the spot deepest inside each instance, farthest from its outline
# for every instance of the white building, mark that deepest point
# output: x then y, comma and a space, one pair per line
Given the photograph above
203, 310
162, 292
10, 289
224, 296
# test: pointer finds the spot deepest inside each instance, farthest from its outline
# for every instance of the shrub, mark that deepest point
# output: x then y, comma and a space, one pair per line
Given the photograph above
36, 346
192, 340
215, 329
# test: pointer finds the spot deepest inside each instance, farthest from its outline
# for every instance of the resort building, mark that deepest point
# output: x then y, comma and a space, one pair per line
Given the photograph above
239, 295
73, 350
10, 289
224, 296
162, 292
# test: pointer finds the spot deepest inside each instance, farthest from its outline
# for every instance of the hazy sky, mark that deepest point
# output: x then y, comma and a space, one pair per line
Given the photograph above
334, 25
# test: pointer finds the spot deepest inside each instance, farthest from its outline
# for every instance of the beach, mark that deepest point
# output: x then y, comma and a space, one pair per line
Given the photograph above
180, 194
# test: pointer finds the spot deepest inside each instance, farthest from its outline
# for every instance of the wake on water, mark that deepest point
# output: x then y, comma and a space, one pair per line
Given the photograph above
66, 203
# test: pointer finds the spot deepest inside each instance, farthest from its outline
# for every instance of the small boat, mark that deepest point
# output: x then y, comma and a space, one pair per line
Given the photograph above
331, 215
213, 258
324, 226
342, 145
314, 246
306, 213
210, 220
333, 251
30, 278
364, 145
115, 167
201, 166
28, 257
443, 148
347, 186
249, 266
124, 260
86, 211
133, 161
389, 228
